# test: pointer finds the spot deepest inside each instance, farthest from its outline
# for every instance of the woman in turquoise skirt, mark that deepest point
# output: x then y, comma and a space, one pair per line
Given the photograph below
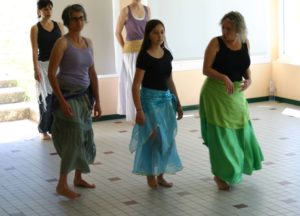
225, 124
156, 102
76, 92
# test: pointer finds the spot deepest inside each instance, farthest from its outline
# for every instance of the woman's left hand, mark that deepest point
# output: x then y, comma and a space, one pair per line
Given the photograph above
97, 110
245, 84
179, 112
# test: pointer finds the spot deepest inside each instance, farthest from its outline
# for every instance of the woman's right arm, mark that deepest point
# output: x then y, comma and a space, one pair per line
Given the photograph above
137, 81
209, 57
54, 62
34, 46
120, 26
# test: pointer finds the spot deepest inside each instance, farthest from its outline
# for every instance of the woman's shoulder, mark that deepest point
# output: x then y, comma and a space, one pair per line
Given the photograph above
142, 53
62, 41
60, 25
89, 42
125, 10
34, 27
216, 40
147, 8
168, 53
215, 43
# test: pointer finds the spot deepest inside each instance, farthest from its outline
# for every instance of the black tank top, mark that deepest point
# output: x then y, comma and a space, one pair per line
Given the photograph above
46, 40
232, 63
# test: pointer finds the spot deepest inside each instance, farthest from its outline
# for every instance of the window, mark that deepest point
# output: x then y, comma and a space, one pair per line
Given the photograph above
290, 31
190, 25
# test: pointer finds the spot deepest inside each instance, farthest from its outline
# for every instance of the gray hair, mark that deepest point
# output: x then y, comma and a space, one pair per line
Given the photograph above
67, 13
237, 19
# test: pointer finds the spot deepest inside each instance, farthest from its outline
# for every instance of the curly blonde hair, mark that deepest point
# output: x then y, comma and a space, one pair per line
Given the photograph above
237, 19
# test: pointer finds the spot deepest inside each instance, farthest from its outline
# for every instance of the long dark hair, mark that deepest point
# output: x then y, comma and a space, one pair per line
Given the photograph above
151, 24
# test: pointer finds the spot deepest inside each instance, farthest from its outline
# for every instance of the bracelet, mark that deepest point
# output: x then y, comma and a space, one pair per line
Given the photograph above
140, 109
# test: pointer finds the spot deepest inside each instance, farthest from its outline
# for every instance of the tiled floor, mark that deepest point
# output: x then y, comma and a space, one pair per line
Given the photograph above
29, 170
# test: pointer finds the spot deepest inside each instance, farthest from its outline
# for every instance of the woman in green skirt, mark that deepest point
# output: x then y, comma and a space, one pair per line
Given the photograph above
225, 124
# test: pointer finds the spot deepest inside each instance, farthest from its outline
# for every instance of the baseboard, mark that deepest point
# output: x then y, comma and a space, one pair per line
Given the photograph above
195, 107
288, 101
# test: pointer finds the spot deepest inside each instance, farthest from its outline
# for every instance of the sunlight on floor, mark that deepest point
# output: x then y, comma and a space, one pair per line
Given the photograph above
18, 130
291, 112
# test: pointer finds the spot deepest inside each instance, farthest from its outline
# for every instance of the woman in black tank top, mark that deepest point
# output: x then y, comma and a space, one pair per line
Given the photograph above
225, 124
43, 36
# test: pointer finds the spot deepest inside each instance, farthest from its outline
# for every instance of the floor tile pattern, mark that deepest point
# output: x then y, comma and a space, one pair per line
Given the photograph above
29, 171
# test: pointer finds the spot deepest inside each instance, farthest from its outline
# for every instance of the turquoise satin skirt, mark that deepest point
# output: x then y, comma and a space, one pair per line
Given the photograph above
154, 142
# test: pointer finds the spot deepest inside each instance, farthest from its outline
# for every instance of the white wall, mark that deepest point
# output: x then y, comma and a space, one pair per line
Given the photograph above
190, 24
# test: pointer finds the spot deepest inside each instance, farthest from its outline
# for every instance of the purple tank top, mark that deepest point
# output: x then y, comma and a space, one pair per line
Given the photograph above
135, 28
75, 64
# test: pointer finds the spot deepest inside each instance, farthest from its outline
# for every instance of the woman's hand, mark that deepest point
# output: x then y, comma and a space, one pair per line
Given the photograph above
179, 112
245, 84
97, 110
140, 117
37, 75
66, 109
229, 85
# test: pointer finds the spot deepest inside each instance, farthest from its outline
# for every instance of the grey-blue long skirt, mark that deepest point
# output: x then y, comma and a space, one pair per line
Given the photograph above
73, 137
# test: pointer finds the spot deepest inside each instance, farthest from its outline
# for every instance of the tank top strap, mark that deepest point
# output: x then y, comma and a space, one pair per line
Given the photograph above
245, 46
221, 42
55, 24
146, 13
129, 13
86, 42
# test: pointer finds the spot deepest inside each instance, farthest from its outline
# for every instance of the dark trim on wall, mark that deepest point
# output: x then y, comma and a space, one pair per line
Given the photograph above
288, 101
258, 99
109, 117
195, 107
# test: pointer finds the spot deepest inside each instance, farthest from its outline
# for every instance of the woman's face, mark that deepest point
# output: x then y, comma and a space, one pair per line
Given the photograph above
77, 21
46, 12
228, 31
157, 35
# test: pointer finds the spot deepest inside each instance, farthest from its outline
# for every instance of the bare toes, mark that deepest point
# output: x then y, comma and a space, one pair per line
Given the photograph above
83, 184
66, 192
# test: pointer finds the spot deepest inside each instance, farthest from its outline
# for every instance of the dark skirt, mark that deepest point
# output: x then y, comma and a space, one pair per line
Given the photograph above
46, 117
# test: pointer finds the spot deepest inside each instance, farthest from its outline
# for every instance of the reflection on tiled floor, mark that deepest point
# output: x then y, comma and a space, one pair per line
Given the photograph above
29, 171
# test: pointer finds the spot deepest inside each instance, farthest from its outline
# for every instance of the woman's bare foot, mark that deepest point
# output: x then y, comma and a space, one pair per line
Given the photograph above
84, 184
162, 182
222, 185
151, 180
46, 136
66, 192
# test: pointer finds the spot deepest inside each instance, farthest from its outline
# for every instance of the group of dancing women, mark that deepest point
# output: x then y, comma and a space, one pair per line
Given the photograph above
69, 96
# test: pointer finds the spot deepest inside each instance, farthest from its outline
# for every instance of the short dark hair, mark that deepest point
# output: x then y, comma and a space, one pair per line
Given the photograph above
67, 13
44, 3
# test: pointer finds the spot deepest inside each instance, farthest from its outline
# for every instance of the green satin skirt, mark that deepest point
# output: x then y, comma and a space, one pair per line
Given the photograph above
227, 132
